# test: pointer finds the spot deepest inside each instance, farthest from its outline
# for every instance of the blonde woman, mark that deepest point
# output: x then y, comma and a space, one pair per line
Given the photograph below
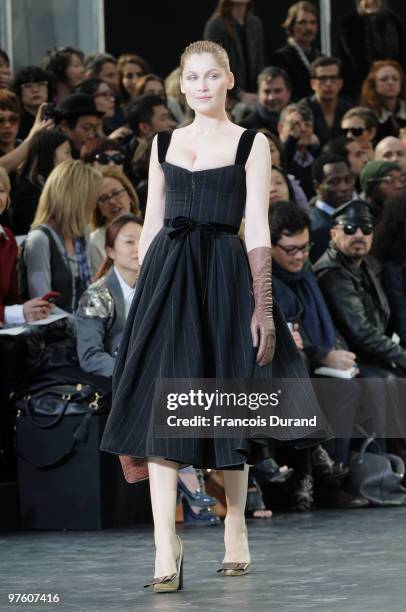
203, 307
13, 310
55, 252
117, 197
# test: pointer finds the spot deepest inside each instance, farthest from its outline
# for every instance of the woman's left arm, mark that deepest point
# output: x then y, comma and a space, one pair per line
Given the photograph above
258, 241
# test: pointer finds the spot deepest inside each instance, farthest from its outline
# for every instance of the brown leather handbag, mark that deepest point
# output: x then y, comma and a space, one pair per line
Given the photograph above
134, 470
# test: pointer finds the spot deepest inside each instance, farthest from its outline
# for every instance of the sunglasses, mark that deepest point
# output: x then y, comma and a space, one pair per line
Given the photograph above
349, 229
103, 159
355, 131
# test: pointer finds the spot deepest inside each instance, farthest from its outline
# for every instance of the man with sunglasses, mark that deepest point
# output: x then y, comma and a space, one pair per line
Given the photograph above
349, 279
297, 292
379, 181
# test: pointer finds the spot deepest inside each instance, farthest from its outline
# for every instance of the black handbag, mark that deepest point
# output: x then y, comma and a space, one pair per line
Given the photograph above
58, 394
377, 477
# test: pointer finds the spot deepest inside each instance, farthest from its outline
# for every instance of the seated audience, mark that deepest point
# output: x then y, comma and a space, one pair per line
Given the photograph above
326, 105
301, 146
234, 26
33, 86
78, 118
380, 180
103, 96
13, 309
55, 256
5, 72
301, 26
116, 197
103, 66
67, 68
384, 91
351, 150
349, 279
278, 159
48, 148
334, 184
130, 68
151, 84
172, 88
389, 247
104, 152
274, 91
281, 188
348, 276
296, 290
148, 115
391, 149
361, 124
372, 32
104, 306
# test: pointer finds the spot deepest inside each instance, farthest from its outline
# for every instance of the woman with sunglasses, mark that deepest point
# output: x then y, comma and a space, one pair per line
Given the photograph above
106, 152
117, 197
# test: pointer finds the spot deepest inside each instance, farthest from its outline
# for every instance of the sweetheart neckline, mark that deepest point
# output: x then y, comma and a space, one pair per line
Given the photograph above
203, 170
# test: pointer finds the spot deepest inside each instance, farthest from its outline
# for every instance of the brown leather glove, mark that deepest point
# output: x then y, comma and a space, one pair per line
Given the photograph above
262, 323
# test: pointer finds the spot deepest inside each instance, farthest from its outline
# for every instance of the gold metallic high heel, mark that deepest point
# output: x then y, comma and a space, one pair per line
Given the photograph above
174, 582
236, 568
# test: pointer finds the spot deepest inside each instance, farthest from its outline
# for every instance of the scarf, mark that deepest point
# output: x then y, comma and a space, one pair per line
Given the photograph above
83, 265
316, 318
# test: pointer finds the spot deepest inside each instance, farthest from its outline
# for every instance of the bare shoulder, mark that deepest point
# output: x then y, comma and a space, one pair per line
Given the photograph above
260, 148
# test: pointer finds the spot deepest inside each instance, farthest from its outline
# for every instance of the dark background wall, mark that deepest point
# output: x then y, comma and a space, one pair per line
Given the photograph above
160, 29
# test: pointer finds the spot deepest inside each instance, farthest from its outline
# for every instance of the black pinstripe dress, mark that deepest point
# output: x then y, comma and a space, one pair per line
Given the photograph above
190, 317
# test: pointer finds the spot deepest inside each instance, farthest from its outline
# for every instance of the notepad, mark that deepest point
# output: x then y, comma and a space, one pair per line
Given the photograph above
336, 373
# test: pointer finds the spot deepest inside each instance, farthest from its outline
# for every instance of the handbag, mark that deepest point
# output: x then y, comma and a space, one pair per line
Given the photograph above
134, 470
377, 477
58, 394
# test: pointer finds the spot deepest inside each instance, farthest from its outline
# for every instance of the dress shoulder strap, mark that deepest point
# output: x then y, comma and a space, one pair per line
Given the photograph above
164, 139
244, 147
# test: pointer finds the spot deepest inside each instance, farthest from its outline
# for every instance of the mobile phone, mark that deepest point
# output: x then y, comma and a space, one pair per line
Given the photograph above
51, 297
48, 111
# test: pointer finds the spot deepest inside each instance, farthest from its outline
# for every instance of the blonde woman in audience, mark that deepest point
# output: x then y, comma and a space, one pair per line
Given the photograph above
55, 253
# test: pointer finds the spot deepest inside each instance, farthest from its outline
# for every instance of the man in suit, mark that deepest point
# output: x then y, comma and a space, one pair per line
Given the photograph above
334, 184
301, 26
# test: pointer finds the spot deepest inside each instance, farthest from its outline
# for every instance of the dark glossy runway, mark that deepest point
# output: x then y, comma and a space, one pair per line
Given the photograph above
353, 561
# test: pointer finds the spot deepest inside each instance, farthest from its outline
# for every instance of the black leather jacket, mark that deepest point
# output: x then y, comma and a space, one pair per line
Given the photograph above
361, 315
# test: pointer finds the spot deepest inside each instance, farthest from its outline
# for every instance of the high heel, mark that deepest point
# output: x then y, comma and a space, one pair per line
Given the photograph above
235, 568
173, 582
202, 518
198, 498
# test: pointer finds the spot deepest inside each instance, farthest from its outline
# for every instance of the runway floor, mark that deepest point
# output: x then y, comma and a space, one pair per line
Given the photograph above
353, 561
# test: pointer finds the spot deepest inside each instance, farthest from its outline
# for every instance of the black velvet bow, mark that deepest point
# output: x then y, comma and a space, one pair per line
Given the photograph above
181, 226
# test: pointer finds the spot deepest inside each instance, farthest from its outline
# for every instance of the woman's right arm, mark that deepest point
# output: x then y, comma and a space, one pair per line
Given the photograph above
37, 262
154, 214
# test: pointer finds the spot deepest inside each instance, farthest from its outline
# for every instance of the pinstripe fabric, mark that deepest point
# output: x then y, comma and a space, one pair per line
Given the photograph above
172, 333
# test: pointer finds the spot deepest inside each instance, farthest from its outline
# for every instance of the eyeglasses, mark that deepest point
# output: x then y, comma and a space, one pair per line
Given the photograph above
349, 229
34, 84
103, 159
104, 94
325, 78
12, 120
292, 251
105, 199
355, 131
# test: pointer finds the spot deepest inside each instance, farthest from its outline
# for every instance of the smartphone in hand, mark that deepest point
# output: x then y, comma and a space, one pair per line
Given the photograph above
51, 297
